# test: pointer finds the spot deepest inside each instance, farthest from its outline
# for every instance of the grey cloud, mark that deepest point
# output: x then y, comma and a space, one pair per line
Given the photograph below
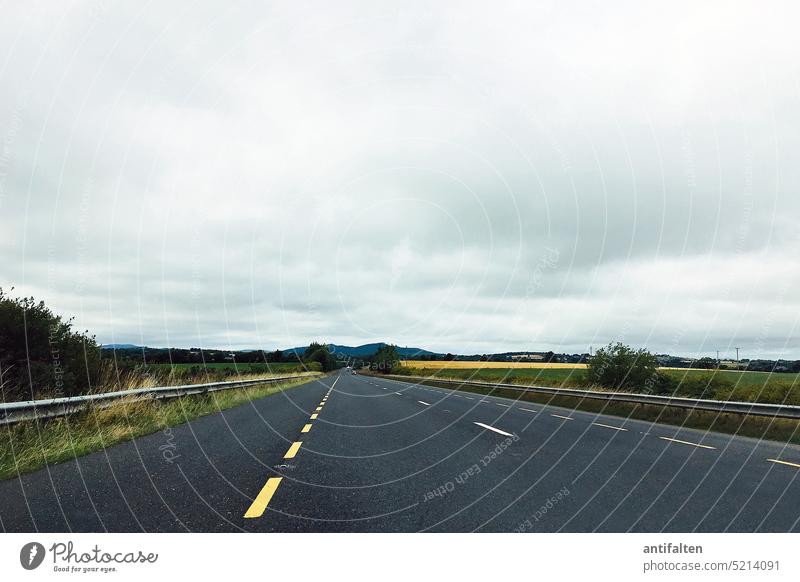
270, 174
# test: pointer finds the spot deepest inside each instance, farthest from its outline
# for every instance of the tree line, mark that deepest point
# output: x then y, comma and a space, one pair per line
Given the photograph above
43, 356
40, 353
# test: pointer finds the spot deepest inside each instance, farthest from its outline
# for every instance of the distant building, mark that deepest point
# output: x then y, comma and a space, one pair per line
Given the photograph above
527, 357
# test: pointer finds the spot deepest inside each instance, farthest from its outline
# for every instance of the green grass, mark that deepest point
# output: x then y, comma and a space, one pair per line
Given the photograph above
745, 379
30, 445
566, 377
713, 384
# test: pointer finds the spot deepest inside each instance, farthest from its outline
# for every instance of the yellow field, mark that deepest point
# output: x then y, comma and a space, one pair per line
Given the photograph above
475, 365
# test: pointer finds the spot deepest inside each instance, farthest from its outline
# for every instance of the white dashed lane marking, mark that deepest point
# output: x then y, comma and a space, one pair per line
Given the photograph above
497, 430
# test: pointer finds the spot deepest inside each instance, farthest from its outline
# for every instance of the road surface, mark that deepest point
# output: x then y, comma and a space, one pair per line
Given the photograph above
358, 453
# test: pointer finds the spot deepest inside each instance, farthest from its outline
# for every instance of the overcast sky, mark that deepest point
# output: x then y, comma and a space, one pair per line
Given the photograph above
463, 177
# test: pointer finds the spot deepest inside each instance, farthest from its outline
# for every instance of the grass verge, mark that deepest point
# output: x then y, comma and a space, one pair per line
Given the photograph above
776, 429
743, 386
30, 445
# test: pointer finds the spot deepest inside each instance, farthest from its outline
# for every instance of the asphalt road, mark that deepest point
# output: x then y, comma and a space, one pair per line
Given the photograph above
382, 455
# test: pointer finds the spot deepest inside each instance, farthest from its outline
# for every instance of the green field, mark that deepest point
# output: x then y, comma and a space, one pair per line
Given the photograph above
715, 384
744, 379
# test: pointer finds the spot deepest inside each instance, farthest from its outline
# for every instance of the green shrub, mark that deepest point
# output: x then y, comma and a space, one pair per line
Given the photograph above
40, 354
621, 367
317, 353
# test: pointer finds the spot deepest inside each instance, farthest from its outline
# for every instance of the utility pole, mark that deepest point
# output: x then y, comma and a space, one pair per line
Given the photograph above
737, 357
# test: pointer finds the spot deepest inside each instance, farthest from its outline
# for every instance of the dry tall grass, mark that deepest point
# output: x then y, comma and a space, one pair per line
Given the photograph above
29, 445
113, 381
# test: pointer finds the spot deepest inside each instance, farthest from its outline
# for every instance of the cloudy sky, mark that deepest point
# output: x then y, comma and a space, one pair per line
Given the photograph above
464, 177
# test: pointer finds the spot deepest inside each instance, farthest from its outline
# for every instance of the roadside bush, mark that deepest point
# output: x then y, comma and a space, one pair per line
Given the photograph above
40, 354
707, 386
621, 367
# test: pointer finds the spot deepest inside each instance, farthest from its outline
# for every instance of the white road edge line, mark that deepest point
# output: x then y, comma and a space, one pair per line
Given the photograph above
497, 430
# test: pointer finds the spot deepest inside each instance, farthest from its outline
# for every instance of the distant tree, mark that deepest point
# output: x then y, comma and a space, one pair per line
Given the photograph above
312, 347
386, 359
317, 352
40, 354
706, 363
621, 367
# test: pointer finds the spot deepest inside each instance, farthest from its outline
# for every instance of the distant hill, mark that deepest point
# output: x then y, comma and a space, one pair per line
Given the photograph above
120, 347
340, 350
366, 350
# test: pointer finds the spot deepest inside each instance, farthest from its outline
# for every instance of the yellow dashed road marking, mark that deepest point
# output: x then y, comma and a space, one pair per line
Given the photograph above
263, 498
306, 428
293, 450
314, 416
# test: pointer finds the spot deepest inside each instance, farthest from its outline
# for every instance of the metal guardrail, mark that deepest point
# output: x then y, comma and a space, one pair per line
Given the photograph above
11, 412
749, 408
